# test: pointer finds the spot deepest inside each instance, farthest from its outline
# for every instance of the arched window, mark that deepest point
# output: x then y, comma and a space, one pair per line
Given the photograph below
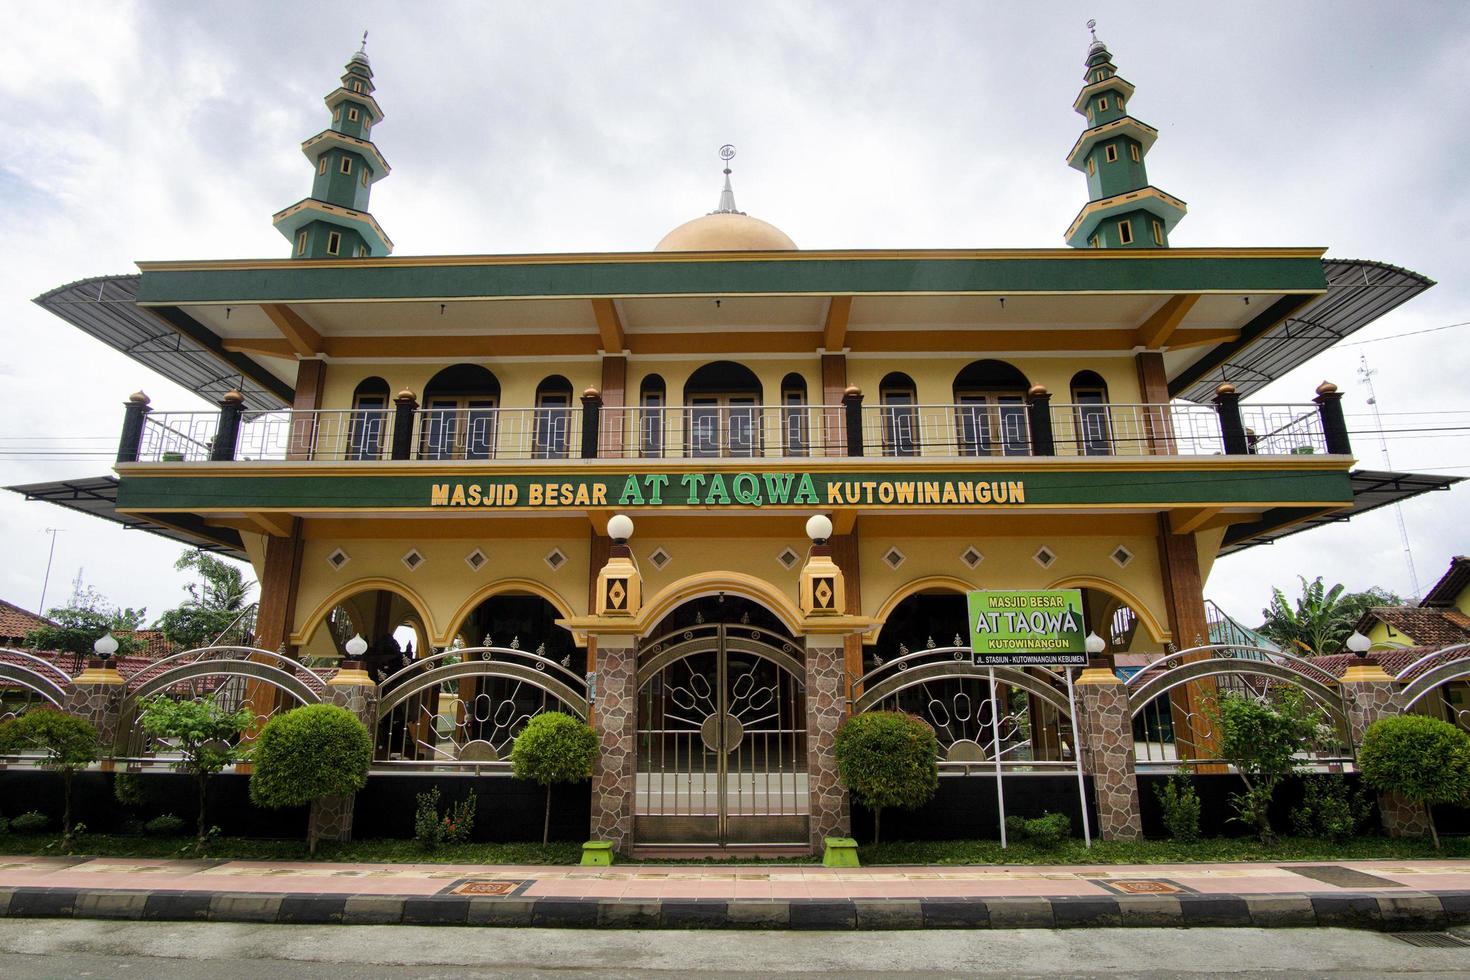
899, 399
553, 423
990, 410
459, 414
722, 411
369, 420
653, 398
794, 426
1090, 401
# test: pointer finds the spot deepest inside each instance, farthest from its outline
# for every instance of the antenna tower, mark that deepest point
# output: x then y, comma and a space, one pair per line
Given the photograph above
1366, 373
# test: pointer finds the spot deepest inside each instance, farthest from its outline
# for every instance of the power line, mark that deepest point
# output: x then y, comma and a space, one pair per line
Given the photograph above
1411, 333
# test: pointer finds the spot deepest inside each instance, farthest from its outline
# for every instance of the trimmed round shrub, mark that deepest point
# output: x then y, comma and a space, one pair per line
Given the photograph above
887, 759
553, 748
1424, 760
167, 825
33, 822
308, 753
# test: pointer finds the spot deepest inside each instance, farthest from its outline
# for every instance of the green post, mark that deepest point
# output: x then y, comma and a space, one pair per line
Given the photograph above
840, 852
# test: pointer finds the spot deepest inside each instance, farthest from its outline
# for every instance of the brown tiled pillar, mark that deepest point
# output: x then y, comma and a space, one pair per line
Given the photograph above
1107, 744
616, 721
97, 695
1371, 694
1185, 598
353, 689
826, 705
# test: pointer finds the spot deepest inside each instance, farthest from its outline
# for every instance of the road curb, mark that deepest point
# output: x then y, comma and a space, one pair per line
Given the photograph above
1399, 912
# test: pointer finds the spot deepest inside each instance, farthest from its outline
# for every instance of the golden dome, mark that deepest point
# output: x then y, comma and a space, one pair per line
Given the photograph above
725, 231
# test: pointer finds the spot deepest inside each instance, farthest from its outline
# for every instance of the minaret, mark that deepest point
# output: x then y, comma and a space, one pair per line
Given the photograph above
334, 221
1123, 209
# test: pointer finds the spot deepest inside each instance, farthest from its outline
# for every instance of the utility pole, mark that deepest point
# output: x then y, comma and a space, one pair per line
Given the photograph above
1366, 373
46, 581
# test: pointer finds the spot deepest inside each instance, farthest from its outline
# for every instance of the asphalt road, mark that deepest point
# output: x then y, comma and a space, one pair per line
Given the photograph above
36, 948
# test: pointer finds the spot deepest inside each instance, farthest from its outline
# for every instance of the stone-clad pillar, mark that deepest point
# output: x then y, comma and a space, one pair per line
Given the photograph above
353, 689
1371, 694
1106, 741
97, 695
615, 721
826, 704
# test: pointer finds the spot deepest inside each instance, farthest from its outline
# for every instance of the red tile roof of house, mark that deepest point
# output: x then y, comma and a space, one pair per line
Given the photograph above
1425, 626
1451, 584
16, 622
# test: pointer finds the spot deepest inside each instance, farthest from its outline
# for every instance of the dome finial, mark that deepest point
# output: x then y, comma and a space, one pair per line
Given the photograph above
727, 196
1091, 26
361, 53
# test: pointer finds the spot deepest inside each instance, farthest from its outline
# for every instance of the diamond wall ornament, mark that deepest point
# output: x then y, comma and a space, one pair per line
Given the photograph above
788, 559
413, 559
893, 557
971, 556
1044, 557
1122, 556
338, 558
476, 560
660, 558
556, 559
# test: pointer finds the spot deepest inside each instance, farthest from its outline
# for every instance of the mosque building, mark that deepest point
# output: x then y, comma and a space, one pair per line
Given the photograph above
718, 495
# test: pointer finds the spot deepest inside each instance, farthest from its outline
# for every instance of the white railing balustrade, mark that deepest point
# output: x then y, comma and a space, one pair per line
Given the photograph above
1283, 430
497, 433
995, 428
1176, 429
177, 437
333, 434
721, 431
946, 430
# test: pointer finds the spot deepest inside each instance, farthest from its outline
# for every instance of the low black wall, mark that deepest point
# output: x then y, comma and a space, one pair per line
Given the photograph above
964, 807
505, 809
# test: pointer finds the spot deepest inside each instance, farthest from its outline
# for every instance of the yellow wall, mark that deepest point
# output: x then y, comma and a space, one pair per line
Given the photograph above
1384, 635
443, 583
518, 379
934, 376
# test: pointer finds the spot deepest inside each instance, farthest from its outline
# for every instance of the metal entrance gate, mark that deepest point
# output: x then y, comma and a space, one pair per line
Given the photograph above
721, 739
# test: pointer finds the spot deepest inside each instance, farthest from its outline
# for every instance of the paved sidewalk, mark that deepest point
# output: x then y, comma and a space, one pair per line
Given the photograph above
1374, 894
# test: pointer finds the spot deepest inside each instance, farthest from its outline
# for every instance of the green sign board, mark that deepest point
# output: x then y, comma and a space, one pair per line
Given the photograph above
1028, 628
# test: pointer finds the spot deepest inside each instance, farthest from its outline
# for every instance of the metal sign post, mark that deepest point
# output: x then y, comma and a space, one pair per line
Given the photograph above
1029, 628
1077, 755
1000, 792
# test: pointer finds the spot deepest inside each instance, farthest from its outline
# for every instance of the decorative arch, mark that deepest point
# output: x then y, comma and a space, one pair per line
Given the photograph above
929, 583
319, 614
1145, 614
462, 379
502, 587
990, 374
710, 583
724, 377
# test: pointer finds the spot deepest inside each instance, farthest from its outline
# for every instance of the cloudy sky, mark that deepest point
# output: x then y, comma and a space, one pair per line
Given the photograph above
171, 130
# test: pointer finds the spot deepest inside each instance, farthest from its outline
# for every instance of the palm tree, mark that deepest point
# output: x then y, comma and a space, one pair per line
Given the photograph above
1321, 619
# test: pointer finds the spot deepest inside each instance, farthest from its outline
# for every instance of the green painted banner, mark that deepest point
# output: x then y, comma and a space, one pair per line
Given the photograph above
722, 489
1027, 628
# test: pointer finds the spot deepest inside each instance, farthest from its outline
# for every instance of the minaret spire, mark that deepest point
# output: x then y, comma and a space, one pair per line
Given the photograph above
334, 222
727, 196
1124, 210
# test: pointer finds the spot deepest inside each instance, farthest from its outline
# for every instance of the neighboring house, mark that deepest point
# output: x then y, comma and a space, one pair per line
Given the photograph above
16, 622
1441, 619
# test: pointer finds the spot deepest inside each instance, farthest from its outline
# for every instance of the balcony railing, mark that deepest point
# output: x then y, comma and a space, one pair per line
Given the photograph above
995, 428
722, 431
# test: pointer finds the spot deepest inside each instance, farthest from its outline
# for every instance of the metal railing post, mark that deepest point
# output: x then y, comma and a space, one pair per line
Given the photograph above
404, 406
1334, 425
1232, 428
852, 403
1038, 412
591, 422
228, 432
135, 415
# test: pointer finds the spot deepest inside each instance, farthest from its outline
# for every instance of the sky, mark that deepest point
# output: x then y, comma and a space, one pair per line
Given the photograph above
171, 130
